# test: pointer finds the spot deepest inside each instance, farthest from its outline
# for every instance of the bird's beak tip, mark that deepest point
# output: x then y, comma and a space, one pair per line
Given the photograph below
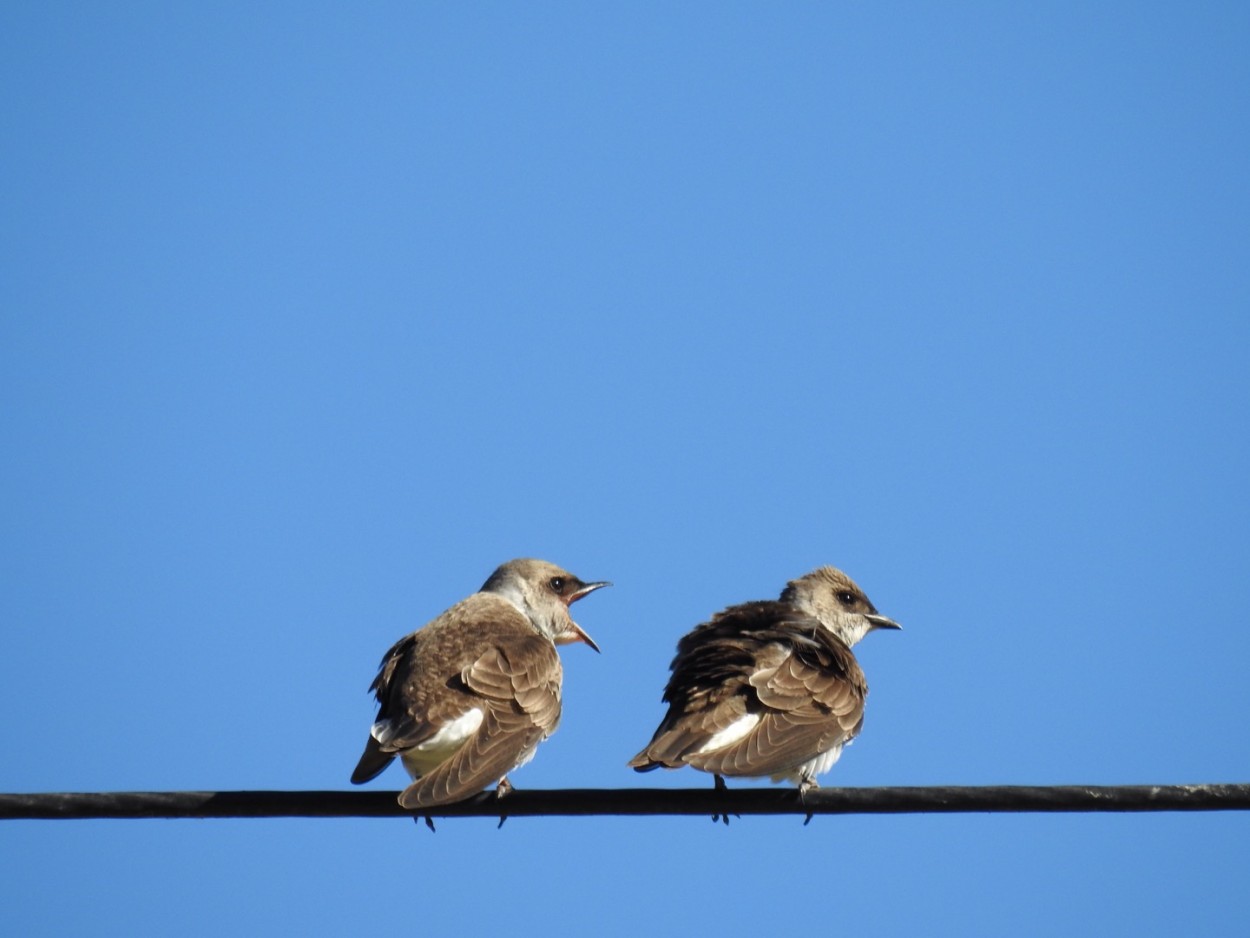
577, 634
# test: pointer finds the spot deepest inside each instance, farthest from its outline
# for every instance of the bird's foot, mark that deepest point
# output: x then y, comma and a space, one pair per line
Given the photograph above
806, 784
429, 821
723, 816
502, 790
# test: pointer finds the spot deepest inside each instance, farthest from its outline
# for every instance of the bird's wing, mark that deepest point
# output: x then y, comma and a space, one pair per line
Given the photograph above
758, 690
686, 730
517, 684
703, 695
418, 685
808, 696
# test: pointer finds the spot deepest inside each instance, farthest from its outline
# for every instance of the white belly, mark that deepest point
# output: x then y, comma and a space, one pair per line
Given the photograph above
812, 767
429, 755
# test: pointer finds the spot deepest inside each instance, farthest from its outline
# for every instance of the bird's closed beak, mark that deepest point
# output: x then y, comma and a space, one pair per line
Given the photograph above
586, 590
576, 633
882, 622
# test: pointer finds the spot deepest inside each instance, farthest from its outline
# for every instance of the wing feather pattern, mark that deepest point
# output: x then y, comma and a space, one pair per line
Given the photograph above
480, 654
517, 683
765, 660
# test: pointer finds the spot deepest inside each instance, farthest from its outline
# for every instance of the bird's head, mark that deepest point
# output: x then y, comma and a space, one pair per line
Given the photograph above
829, 595
544, 593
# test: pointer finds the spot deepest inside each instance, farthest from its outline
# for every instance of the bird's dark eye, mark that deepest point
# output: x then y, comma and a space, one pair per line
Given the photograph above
846, 598
557, 584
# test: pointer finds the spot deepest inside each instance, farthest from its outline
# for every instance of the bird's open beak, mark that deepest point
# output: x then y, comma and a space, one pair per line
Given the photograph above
881, 622
577, 633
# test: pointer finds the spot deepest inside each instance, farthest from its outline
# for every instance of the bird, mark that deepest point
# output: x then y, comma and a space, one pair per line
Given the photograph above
769, 688
468, 697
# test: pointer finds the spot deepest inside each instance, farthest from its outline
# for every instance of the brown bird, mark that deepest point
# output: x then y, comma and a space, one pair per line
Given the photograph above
769, 688
467, 698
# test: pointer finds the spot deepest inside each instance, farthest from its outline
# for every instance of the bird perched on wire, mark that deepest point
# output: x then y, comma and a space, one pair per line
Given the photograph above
769, 688
468, 697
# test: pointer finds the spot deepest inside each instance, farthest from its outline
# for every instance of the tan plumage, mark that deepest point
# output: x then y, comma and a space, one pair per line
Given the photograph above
468, 697
769, 688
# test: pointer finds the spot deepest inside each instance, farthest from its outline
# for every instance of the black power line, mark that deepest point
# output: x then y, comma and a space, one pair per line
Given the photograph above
632, 801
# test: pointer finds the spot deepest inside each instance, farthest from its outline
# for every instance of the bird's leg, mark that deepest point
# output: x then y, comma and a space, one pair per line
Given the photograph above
806, 784
502, 790
720, 786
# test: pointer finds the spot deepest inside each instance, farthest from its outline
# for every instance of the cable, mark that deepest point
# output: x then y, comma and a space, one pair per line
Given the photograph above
633, 802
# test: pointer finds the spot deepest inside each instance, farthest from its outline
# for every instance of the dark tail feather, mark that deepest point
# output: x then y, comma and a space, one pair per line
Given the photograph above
372, 762
643, 762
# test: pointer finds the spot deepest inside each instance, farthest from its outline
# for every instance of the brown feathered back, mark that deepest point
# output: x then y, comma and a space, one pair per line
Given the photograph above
500, 664
763, 659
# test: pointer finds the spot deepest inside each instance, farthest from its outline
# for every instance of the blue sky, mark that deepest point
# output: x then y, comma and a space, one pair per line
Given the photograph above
310, 315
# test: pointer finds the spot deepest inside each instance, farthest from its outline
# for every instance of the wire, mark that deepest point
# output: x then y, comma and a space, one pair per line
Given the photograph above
632, 802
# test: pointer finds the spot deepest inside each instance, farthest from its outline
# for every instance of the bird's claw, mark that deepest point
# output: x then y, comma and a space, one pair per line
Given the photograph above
805, 785
502, 790
722, 816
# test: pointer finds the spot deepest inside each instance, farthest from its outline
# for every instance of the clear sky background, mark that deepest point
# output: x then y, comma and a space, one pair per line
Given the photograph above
312, 314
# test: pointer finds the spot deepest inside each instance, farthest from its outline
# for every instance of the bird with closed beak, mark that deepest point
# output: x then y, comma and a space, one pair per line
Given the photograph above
769, 688
468, 697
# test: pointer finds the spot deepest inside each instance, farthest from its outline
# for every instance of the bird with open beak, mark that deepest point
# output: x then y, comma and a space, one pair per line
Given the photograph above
769, 688
468, 697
